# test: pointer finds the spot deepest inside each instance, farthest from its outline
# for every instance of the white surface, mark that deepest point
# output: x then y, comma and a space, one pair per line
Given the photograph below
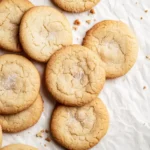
127, 102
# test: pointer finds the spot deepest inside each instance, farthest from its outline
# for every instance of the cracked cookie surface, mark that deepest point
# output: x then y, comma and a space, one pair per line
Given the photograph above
23, 120
76, 5
18, 147
80, 128
11, 12
19, 83
74, 75
116, 45
43, 31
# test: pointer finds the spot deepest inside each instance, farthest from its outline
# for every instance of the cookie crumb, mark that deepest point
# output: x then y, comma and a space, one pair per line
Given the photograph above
48, 139
141, 18
46, 131
88, 21
45, 145
40, 134
148, 57
92, 11
144, 87
146, 11
77, 22
75, 28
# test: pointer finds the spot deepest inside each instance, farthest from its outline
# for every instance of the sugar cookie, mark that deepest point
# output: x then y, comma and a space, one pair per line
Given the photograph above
116, 45
19, 83
74, 75
18, 147
80, 128
11, 12
75, 5
23, 120
43, 31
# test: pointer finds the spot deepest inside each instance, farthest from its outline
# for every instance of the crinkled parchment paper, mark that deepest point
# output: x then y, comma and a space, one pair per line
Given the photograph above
127, 102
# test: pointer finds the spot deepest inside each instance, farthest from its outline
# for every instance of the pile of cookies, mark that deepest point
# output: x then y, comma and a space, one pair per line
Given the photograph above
74, 75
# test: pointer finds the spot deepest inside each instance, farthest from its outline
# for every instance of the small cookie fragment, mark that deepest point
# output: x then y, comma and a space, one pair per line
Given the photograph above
76, 6
117, 55
74, 75
75, 28
144, 87
40, 134
88, 21
148, 57
92, 11
23, 120
141, 18
48, 139
18, 147
11, 12
146, 11
80, 128
77, 22
42, 36
46, 131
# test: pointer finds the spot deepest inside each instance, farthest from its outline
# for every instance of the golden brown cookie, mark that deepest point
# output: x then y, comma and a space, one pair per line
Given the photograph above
18, 147
74, 75
43, 31
11, 12
19, 83
76, 5
80, 128
116, 45
23, 120
1, 136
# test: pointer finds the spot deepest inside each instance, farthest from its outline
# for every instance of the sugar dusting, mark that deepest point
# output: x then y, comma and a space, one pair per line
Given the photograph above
9, 82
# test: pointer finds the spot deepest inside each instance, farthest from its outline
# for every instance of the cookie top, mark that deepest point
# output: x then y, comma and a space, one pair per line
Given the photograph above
116, 45
11, 12
18, 147
1, 136
80, 128
19, 83
74, 75
76, 5
43, 31
23, 120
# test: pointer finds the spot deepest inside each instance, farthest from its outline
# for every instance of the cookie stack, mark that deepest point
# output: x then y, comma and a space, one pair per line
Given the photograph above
19, 79
75, 74
75, 77
19, 88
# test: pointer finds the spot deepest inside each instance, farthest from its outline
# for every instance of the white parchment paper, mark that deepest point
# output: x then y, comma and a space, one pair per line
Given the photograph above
127, 102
